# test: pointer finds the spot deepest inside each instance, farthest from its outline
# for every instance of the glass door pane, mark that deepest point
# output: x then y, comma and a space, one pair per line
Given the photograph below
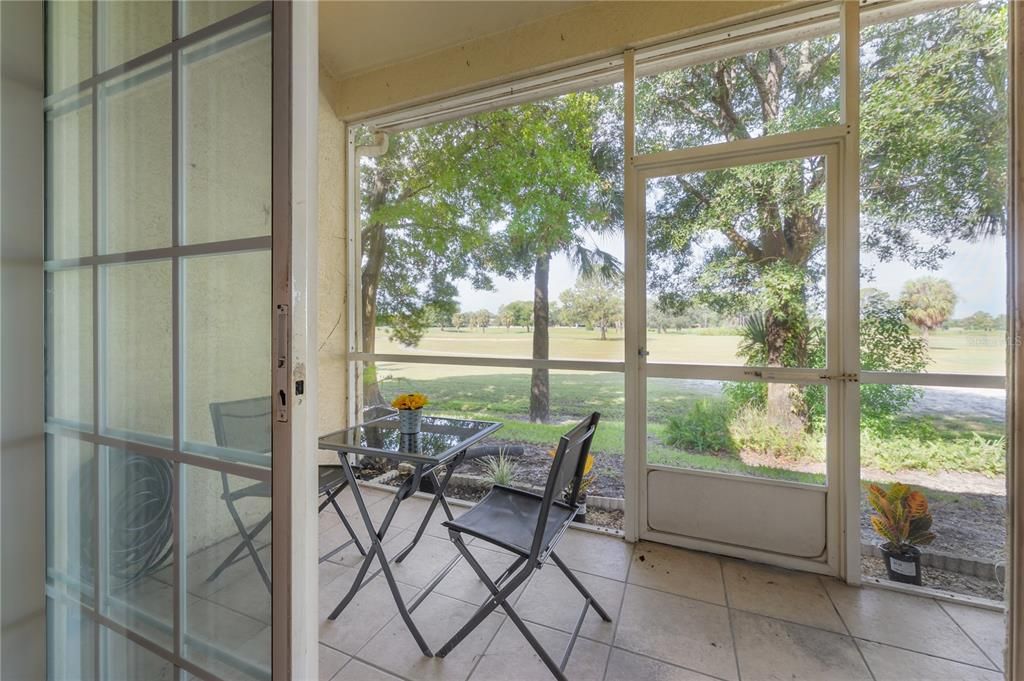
158, 332
736, 265
737, 277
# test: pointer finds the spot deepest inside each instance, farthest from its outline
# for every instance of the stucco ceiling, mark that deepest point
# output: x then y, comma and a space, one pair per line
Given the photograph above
361, 36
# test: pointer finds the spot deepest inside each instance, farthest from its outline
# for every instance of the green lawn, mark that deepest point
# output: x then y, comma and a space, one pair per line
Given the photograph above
928, 443
950, 351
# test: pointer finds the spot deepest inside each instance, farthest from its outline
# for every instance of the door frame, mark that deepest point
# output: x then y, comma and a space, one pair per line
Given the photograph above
295, 589
830, 143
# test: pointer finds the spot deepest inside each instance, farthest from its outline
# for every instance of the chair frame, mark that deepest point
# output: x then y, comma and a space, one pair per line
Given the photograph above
575, 443
247, 543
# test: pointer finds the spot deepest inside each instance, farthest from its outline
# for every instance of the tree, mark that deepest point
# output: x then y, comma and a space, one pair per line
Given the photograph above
424, 220
928, 302
459, 320
430, 204
980, 321
551, 168
594, 302
481, 319
440, 313
753, 237
517, 313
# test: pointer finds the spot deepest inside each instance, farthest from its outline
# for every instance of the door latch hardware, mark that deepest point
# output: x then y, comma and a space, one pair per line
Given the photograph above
852, 378
282, 380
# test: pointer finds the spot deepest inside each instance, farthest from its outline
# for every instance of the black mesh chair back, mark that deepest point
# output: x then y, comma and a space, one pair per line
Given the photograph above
243, 424
565, 476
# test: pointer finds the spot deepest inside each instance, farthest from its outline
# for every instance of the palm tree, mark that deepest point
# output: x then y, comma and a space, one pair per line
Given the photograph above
928, 302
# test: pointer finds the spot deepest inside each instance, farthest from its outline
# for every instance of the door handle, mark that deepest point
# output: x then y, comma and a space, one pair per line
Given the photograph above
282, 381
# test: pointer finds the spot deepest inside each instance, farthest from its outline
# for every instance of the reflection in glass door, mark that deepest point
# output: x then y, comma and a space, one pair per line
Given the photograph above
158, 280
739, 353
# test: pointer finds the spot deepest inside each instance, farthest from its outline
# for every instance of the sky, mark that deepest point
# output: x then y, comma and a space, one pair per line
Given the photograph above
977, 272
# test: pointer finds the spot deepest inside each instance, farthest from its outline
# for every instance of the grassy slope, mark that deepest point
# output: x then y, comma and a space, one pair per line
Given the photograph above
951, 351
503, 394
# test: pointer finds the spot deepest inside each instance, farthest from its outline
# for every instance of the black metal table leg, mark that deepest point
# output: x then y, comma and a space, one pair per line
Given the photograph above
438, 498
377, 551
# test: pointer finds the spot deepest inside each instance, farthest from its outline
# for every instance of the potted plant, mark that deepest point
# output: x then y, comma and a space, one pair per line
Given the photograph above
903, 520
410, 411
589, 477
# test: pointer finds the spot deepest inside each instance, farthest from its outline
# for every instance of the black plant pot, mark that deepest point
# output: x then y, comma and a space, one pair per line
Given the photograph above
581, 507
581, 510
903, 566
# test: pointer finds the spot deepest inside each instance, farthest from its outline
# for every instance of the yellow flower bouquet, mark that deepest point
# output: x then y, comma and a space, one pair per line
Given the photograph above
410, 401
410, 411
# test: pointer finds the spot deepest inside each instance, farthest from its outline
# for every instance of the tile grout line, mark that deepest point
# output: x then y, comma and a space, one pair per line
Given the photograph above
857, 639
732, 626
856, 645
378, 668
668, 664
970, 638
618, 612
936, 657
504, 619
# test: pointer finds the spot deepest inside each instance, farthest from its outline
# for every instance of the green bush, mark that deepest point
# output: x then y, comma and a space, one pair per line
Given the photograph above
703, 428
908, 446
753, 431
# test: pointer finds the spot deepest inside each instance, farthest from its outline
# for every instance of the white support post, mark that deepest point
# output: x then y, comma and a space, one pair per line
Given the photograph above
1014, 661
304, 587
635, 454
848, 400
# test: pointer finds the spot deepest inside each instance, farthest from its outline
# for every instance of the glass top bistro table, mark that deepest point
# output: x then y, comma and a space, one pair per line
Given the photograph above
440, 442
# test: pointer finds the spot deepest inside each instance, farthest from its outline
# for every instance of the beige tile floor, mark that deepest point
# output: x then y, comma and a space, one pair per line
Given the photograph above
678, 616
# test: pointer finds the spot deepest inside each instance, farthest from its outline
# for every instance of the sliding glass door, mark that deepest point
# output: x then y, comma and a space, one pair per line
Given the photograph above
159, 423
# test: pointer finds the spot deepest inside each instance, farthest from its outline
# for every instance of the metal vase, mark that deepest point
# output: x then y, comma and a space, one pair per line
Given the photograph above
409, 420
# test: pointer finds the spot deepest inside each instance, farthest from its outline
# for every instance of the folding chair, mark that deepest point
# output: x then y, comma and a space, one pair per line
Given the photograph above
245, 425
529, 526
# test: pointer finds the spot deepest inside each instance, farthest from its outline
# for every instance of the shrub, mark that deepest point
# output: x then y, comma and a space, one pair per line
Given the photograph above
501, 469
752, 430
703, 428
910, 446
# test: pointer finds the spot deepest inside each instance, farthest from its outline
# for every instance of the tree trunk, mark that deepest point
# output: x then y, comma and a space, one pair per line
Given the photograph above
604, 332
374, 245
540, 388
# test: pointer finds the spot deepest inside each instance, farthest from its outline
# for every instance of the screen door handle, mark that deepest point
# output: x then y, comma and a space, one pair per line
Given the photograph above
282, 331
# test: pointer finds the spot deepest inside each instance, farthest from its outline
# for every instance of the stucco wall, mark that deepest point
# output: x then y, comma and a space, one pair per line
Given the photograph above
332, 331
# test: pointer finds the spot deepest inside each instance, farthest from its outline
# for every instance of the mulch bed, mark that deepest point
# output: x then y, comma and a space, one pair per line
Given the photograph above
535, 463
944, 580
531, 474
968, 525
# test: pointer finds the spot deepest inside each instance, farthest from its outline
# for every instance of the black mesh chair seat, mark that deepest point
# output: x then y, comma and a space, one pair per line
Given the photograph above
508, 518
